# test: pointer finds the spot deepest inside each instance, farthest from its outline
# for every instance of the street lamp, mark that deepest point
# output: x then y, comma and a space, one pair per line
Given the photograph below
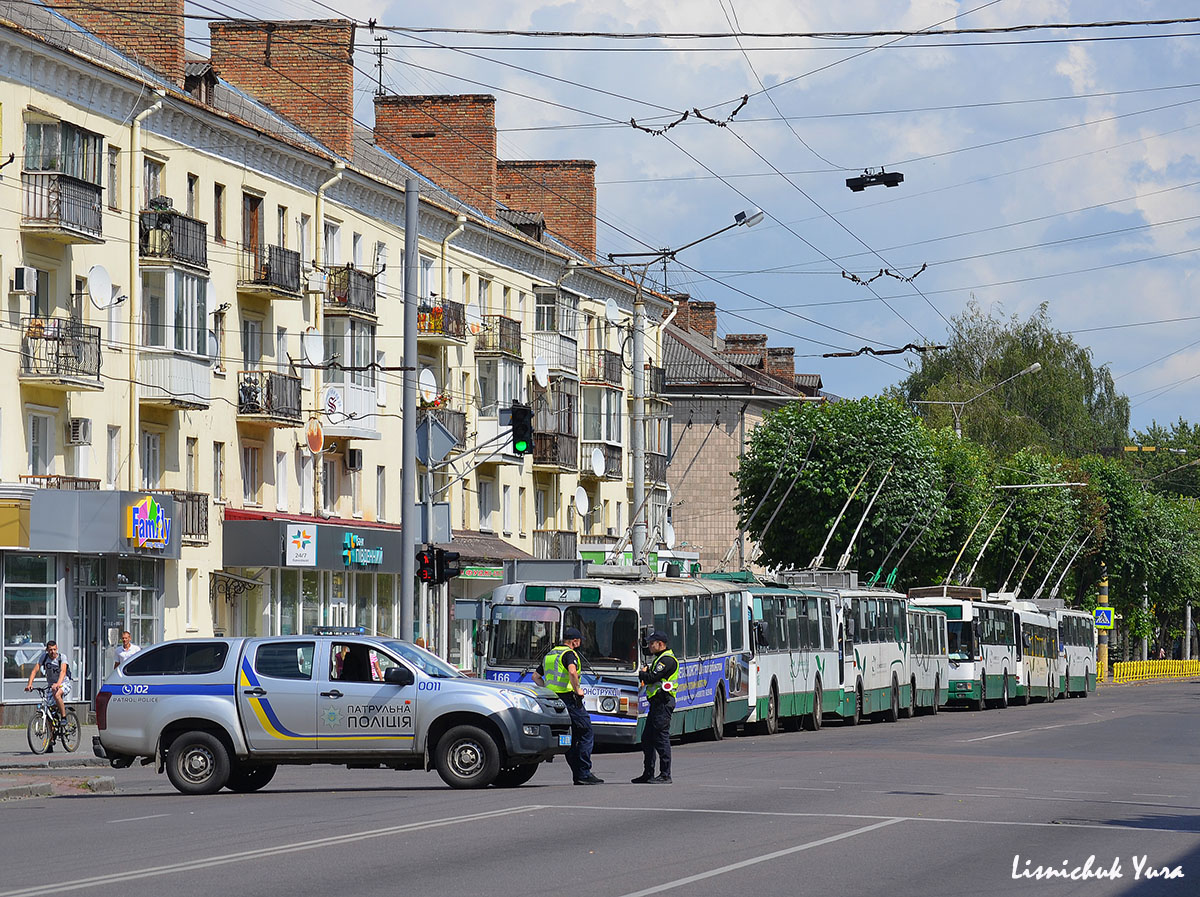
957, 407
637, 440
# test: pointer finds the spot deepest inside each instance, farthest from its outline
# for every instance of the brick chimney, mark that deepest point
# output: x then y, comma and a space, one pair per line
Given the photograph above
303, 70
682, 310
564, 192
781, 363
746, 342
702, 318
150, 31
449, 139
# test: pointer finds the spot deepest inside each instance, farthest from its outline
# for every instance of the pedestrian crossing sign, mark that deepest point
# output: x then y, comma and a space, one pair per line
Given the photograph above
1104, 617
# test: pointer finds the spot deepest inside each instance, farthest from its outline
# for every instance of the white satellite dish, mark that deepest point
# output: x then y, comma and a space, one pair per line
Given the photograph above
100, 287
581, 501
313, 346
612, 313
597, 462
427, 385
474, 320
669, 537
541, 372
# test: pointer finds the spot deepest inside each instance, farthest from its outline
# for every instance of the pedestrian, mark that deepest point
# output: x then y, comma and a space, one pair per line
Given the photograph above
660, 679
127, 649
559, 672
1162, 653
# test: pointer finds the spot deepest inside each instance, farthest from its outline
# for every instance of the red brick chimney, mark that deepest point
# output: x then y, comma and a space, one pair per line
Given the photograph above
702, 317
449, 139
682, 310
563, 191
746, 342
781, 363
150, 31
302, 70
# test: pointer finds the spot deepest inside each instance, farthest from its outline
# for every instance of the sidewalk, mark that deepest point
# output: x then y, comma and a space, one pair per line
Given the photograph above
26, 774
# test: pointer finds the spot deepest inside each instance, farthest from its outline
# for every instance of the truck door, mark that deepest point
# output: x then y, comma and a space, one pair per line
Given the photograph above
358, 712
277, 695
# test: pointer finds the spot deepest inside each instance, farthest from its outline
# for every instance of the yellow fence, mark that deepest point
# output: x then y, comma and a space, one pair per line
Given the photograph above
1137, 670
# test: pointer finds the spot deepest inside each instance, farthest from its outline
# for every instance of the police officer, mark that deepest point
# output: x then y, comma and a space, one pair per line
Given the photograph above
660, 679
559, 672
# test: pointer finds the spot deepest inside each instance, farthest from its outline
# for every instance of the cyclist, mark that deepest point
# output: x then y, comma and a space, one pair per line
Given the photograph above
58, 676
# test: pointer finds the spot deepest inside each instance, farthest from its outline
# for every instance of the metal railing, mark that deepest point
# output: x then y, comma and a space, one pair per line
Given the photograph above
656, 467
1138, 670
454, 421
269, 394
557, 449
272, 267
57, 200
555, 545
171, 235
58, 481
656, 380
600, 366
612, 459
191, 511
349, 289
447, 319
60, 348
499, 334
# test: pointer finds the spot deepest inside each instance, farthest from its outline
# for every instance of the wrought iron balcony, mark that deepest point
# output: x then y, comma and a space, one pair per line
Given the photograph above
555, 545
63, 207
270, 397
612, 460
454, 421
60, 352
191, 512
600, 366
172, 236
656, 467
499, 335
269, 271
57, 481
559, 450
350, 290
561, 352
444, 323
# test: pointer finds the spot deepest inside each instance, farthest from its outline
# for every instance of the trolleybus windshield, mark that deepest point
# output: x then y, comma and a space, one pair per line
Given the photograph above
610, 635
522, 635
962, 640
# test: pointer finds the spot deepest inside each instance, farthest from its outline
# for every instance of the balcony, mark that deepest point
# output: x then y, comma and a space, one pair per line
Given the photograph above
269, 397
60, 353
191, 515
656, 467
499, 336
351, 409
174, 380
269, 271
656, 380
612, 460
454, 421
170, 236
559, 450
442, 325
600, 366
350, 291
56, 481
561, 352
61, 207
555, 545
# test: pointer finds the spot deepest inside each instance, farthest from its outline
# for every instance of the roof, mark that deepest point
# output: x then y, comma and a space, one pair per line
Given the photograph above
690, 361
476, 546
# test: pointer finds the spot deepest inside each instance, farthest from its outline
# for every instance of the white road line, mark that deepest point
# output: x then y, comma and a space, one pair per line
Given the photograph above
802, 788
138, 818
1071, 800
1076, 791
733, 867
1020, 732
260, 853
1001, 788
1136, 794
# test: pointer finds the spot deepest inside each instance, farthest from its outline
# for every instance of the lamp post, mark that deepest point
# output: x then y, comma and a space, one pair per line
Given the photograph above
958, 407
637, 438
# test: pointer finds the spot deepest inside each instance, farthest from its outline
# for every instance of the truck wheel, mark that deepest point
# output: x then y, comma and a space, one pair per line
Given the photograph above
517, 776
197, 763
247, 777
467, 757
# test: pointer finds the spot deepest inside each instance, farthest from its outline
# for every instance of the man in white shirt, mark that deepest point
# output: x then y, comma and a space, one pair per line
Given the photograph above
127, 649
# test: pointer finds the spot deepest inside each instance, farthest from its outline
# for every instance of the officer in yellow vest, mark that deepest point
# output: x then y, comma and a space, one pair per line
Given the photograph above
559, 672
660, 679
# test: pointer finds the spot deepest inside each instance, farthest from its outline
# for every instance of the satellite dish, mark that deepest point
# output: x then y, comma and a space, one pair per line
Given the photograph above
612, 313
314, 435
100, 287
427, 385
541, 372
598, 462
213, 346
474, 320
581, 501
669, 537
331, 401
313, 346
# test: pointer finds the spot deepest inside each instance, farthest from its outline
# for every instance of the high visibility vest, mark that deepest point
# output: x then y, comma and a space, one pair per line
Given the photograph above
668, 685
558, 679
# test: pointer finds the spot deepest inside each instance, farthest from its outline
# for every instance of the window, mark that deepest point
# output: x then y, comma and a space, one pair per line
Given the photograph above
189, 601
251, 473
555, 313
58, 146
253, 225
193, 201
356, 493
152, 178
281, 214
521, 521
352, 342
114, 178
281, 480
180, 658
499, 384
185, 315
484, 299
305, 240
41, 444
252, 343
356, 250
219, 471
30, 610
113, 313
381, 386
154, 307
424, 277
219, 334
189, 462
381, 493
601, 415
735, 622
306, 482
151, 459
329, 485
219, 212
507, 302
506, 510
381, 270
285, 660
333, 244
487, 505
113, 467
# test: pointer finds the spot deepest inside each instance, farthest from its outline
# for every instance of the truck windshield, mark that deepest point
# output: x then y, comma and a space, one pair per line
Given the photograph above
522, 635
610, 636
962, 643
429, 664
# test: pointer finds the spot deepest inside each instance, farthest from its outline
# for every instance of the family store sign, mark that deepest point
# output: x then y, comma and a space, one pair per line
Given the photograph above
147, 524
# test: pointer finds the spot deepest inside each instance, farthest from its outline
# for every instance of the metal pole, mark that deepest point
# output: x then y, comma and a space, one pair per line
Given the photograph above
1187, 631
1145, 610
430, 536
1102, 634
637, 435
741, 543
408, 411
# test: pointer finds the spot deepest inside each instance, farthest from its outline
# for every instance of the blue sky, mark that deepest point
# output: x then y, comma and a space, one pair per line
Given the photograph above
1044, 166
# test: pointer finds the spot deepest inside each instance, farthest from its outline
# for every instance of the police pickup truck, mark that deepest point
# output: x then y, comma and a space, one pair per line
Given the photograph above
225, 712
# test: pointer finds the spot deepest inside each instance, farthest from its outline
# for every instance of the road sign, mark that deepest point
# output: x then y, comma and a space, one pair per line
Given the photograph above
1104, 617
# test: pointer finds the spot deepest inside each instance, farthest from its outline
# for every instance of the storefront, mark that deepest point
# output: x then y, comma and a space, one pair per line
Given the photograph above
457, 616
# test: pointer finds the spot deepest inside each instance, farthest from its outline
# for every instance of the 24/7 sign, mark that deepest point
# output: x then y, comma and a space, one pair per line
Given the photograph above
1104, 617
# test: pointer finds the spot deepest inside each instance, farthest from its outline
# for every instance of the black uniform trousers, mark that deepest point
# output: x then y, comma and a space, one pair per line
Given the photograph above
656, 736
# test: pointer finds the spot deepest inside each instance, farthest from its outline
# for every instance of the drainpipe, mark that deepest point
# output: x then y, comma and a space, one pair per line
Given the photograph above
339, 168
135, 280
461, 221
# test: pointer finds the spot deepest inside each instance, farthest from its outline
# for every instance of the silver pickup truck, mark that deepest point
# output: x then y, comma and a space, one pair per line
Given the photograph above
225, 712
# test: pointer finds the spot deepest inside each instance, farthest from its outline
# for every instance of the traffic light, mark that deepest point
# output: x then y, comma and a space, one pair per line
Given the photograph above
427, 565
448, 565
522, 429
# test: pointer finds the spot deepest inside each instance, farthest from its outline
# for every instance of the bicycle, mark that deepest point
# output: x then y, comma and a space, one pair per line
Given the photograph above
47, 726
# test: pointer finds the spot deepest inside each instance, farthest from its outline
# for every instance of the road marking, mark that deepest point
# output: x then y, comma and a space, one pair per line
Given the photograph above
1020, 732
138, 818
260, 853
1076, 791
753, 861
1002, 788
1072, 800
802, 788
1136, 794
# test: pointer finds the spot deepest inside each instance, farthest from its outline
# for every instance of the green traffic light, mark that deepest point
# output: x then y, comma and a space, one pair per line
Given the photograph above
520, 447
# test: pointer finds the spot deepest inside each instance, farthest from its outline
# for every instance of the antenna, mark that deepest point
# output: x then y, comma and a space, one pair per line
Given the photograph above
380, 52
987, 542
845, 558
820, 558
968, 542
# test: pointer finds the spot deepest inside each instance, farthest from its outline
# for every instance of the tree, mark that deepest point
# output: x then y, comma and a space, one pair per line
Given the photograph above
1173, 468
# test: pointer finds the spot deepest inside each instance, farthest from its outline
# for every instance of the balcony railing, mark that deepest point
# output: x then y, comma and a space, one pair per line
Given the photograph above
656, 380
191, 512
57, 481
561, 352
556, 450
555, 545
57, 203
600, 366
269, 395
446, 321
174, 379
270, 269
348, 289
612, 459
454, 421
173, 236
656, 467
62, 350
499, 334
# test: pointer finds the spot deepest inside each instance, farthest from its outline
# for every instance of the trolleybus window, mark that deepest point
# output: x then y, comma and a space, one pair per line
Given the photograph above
676, 624
693, 625
521, 635
610, 635
736, 617
718, 624
660, 615
706, 625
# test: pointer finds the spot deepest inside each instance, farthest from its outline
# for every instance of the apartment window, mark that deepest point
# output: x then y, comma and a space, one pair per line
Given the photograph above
465, 292
506, 510
58, 146
176, 302
381, 270
601, 415
281, 481
329, 485
253, 225
41, 301
521, 521
508, 306
381, 492
305, 468
219, 471
112, 312
41, 444
114, 178
151, 459
484, 296
381, 388
191, 447
356, 493
499, 384
356, 250
193, 200
333, 244
219, 333
282, 362
154, 305
555, 313
252, 343
113, 467
352, 342
539, 509
425, 277
487, 505
281, 213
189, 606
152, 178
219, 212
305, 236
251, 473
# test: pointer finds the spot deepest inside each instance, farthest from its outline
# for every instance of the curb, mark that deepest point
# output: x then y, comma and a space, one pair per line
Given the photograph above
56, 763
100, 784
33, 789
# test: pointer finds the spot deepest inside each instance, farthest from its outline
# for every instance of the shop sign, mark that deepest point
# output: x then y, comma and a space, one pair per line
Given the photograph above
355, 552
147, 524
482, 573
301, 545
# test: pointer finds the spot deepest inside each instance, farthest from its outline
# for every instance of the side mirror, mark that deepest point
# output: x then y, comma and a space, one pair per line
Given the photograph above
760, 634
399, 675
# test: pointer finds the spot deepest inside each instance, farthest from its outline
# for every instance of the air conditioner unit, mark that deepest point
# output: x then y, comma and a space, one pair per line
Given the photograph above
354, 459
79, 431
316, 282
24, 279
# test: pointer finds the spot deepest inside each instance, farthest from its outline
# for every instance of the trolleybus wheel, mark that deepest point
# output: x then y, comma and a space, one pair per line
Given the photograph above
982, 703
772, 720
909, 710
892, 714
856, 717
812, 721
937, 694
1003, 702
717, 732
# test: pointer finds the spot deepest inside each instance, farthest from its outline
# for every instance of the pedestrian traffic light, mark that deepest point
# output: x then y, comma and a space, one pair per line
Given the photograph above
522, 429
448, 565
427, 565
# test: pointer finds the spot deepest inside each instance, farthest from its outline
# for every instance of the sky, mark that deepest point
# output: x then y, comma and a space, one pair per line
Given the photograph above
1040, 166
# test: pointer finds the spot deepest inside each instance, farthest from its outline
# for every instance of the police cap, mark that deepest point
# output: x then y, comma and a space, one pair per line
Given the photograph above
571, 632
658, 636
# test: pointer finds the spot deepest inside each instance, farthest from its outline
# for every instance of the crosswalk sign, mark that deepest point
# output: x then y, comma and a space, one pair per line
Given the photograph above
1104, 617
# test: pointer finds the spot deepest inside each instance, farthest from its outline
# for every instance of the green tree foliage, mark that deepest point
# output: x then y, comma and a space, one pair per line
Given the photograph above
1173, 468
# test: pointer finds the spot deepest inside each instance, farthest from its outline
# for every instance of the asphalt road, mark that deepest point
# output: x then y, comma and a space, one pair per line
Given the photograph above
944, 805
